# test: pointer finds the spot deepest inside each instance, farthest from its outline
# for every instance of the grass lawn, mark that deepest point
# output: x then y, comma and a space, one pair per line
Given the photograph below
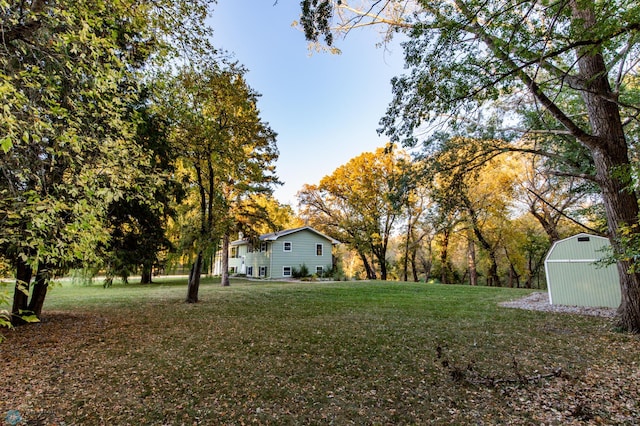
314, 353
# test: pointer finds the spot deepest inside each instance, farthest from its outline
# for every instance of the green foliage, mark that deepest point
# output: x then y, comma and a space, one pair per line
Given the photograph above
360, 202
137, 221
315, 18
464, 57
70, 73
303, 272
27, 316
5, 314
226, 154
629, 249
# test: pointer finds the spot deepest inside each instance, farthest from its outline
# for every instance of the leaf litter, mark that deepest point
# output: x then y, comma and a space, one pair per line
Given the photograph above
145, 366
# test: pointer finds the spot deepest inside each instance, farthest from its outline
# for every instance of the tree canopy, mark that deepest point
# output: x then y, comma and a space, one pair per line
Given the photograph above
71, 73
359, 204
226, 149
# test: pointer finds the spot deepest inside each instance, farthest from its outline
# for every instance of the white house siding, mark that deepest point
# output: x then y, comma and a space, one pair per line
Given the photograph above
238, 262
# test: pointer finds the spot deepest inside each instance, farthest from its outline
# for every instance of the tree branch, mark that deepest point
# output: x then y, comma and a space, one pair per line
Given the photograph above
563, 214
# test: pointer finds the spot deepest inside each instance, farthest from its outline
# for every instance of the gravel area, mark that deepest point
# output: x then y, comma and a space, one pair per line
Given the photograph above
540, 302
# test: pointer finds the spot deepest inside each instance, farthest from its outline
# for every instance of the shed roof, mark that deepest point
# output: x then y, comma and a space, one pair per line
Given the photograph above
581, 247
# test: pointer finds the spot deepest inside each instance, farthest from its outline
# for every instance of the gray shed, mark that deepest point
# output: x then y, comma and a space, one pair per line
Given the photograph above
574, 278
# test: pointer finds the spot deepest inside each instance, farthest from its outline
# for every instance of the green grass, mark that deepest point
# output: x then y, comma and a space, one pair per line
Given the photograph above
314, 353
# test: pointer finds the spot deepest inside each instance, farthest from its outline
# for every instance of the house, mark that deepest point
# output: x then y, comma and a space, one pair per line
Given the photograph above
575, 275
278, 254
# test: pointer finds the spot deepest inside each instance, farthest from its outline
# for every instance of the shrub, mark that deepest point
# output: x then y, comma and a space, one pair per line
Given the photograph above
303, 272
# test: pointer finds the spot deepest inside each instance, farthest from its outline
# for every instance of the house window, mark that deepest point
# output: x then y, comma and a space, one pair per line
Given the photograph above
233, 270
287, 246
234, 252
262, 271
263, 246
318, 249
249, 271
319, 271
286, 271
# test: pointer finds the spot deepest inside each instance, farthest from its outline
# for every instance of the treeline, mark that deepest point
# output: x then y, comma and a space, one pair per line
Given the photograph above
449, 218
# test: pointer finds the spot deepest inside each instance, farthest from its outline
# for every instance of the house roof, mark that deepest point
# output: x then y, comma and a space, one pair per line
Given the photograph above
275, 235
279, 234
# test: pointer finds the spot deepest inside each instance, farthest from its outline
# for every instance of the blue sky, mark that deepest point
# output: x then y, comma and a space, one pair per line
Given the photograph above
325, 108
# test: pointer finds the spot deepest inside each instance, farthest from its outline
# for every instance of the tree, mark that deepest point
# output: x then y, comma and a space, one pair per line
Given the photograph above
417, 206
70, 72
359, 204
226, 148
62, 95
137, 221
483, 194
463, 54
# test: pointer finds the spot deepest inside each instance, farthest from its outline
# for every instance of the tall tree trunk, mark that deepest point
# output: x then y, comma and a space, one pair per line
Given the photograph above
371, 274
622, 210
492, 274
382, 261
225, 260
444, 257
24, 274
471, 260
427, 261
40, 287
514, 277
147, 270
528, 283
380, 253
609, 150
493, 279
414, 263
194, 280
405, 266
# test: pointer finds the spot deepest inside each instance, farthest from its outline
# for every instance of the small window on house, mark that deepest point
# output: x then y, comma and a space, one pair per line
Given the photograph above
286, 271
263, 246
262, 271
287, 246
232, 270
234, 252
583, 239
319, 271
249, 271
318, 249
